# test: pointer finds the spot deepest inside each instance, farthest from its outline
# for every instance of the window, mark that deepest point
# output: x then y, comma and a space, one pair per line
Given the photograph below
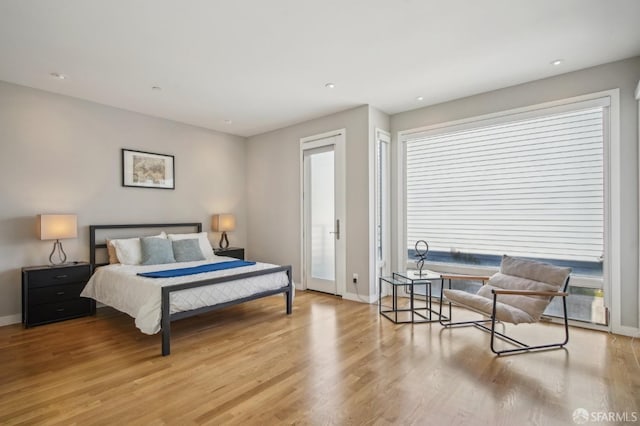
382, 204
529, 184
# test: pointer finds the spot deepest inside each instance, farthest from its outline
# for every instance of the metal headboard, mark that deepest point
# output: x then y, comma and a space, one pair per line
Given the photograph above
93, 247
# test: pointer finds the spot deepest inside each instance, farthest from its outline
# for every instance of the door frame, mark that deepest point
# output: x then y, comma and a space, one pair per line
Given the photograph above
316, 141
381, 136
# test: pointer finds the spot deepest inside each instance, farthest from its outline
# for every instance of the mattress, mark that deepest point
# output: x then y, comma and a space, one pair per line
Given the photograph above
120, 287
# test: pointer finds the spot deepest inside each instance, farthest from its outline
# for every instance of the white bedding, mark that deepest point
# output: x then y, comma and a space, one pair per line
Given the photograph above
119, 287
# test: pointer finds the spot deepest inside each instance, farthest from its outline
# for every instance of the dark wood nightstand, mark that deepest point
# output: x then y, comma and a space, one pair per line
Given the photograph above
52, 293
236, 252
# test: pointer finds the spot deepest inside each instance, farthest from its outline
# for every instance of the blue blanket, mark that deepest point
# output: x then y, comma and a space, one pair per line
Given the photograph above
196, 269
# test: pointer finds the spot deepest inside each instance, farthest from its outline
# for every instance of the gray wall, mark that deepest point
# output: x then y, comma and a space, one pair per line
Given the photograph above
62, 155
273, 192
623, 75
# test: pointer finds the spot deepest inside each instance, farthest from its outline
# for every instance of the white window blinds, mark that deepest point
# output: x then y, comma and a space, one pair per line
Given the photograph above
531, 187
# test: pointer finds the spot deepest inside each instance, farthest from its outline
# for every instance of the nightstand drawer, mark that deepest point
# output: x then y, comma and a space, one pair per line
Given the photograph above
50, 312
55, 276
55, 293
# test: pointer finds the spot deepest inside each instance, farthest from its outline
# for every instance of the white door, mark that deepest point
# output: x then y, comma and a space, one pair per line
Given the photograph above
323, 217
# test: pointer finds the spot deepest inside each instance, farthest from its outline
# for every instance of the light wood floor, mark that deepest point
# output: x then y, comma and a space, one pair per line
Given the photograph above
331, 362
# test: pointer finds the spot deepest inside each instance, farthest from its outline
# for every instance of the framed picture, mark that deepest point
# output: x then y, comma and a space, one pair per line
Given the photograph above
147, 170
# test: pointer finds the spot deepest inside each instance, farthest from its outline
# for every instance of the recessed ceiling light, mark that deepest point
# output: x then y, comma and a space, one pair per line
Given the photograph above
58, 75
330, 85
556, 62
227, 121
158, 88
420, 98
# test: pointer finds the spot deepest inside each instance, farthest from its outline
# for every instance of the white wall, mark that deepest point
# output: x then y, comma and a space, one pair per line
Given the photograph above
62, 155
623, 75
273, 192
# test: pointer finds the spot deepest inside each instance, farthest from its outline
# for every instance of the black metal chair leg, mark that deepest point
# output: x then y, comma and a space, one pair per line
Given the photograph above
525, 347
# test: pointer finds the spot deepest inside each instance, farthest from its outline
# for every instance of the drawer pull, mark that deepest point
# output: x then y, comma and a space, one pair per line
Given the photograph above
60, 293
59, 277
60, 310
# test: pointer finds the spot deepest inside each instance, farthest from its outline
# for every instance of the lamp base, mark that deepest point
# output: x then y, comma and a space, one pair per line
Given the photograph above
224, 241
58, 256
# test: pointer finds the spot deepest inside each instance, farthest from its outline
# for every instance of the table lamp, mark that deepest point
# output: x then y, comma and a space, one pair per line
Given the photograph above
57, 227
223, 223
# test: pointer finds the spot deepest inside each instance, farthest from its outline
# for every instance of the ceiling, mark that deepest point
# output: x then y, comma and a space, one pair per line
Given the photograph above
263, 64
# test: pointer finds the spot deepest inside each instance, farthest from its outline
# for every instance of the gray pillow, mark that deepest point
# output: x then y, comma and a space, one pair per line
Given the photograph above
156, 251
187, 250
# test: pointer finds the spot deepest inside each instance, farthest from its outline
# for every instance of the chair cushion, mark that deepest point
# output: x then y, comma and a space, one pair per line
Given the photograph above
534, 306
515, 274
536, 271
484, 306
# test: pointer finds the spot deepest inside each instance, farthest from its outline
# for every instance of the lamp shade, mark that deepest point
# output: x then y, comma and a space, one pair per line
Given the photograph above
57, 226
223, 222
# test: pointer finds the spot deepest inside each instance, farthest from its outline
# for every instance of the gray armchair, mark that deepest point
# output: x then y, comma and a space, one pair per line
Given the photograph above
519, 293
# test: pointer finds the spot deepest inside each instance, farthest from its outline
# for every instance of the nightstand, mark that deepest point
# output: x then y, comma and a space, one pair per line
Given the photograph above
236, 252
52, 293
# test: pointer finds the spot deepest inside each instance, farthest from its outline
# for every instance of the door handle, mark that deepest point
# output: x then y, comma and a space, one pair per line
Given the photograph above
337, 231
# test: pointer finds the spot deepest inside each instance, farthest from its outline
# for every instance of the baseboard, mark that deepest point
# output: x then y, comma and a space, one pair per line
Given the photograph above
626, 331
360, 298
10, 319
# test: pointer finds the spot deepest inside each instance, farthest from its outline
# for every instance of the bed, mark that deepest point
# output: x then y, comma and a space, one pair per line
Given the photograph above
156, 302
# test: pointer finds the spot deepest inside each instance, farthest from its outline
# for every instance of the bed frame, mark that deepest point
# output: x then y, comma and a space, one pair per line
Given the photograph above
167, 316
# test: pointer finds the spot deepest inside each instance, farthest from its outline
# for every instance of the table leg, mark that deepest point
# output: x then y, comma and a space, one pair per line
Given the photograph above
441, 298
450, 317
428, 291
394, 303
380, 295
411, 302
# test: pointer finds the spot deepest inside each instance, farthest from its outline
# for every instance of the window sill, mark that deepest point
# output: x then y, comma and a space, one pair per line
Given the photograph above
453, 268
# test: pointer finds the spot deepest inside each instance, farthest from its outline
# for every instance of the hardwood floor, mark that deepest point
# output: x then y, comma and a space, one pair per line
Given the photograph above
331, 362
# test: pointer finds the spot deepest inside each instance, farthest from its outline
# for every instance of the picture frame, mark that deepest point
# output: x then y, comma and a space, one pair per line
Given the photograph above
142, 169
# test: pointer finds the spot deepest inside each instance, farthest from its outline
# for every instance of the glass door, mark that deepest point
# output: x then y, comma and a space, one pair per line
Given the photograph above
321, 228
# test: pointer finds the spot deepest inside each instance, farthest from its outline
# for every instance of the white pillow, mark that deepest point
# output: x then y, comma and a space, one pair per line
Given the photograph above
129, 251
203, 242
